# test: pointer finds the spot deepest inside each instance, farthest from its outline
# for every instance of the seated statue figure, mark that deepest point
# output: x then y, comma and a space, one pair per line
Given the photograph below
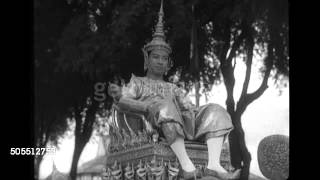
168, 109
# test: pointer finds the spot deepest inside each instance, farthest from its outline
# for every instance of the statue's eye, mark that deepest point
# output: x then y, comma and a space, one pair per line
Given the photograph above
155, 56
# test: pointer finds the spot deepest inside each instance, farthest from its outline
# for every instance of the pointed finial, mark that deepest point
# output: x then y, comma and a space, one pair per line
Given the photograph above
159, 34
158, 41
161, 7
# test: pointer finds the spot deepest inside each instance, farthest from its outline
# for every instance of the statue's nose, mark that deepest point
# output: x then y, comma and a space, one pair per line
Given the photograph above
160, 64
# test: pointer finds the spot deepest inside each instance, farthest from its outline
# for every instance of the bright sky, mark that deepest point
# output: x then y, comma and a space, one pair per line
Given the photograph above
268, 115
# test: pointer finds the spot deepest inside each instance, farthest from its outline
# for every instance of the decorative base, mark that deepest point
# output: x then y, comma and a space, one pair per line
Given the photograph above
156, 161
197, 153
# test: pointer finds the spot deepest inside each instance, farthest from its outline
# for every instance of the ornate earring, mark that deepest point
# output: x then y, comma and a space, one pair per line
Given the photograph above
170, 63
145, 55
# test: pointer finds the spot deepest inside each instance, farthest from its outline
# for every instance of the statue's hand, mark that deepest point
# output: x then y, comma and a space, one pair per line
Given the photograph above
153, 108
114, 91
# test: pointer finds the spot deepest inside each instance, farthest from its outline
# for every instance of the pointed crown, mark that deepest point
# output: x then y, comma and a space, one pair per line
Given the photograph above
158, 38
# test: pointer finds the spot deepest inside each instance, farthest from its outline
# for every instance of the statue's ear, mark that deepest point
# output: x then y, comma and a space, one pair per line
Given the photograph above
145, 55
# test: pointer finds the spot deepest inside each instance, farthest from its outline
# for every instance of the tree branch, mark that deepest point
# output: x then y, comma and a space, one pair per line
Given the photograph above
235, 47
249, 98
227, 70
264, 85
225, 46
78, 119
229, 80
234, 64
248, 66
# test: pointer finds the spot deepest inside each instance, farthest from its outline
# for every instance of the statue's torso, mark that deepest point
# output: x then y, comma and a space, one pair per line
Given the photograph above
150, 90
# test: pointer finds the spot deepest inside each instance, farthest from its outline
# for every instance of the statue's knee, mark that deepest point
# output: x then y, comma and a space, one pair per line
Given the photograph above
171, 131
219, 114
215, 107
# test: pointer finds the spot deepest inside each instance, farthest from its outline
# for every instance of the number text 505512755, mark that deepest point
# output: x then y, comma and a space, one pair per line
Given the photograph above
32, 151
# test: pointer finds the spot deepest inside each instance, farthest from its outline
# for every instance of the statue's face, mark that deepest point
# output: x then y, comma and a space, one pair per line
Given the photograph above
158, 62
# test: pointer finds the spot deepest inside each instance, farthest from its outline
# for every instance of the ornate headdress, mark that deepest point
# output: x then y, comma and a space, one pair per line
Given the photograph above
158, 38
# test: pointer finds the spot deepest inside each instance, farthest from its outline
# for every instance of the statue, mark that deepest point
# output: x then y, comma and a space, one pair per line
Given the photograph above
106, 175
117, 141
129, 172
116, 171
173, 170
144, 137
134, 139
127, 143
155, 137
141, 171
156, 172
167, 108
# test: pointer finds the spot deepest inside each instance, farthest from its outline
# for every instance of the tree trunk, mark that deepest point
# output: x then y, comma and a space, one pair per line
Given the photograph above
78, 148
78, 145
194, 56
83, 133
37, 161
197, 93
239, 154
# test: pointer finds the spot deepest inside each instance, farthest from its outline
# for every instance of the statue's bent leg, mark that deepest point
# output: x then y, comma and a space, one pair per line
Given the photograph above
213, 124
169, 121
212, 121
173, 133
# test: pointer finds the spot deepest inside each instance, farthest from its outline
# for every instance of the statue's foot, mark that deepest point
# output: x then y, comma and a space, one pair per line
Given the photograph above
193, 175
222, 175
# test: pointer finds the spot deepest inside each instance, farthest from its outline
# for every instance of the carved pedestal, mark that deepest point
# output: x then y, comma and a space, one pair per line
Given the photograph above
158, 155
135, 155
197, 153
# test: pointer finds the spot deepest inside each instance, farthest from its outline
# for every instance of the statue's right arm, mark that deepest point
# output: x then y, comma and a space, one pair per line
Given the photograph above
131, 105
128, 100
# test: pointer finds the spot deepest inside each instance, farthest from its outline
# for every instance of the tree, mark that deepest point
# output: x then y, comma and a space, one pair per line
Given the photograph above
87, 56
49, 115
238, 28
58, 83
50, 123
